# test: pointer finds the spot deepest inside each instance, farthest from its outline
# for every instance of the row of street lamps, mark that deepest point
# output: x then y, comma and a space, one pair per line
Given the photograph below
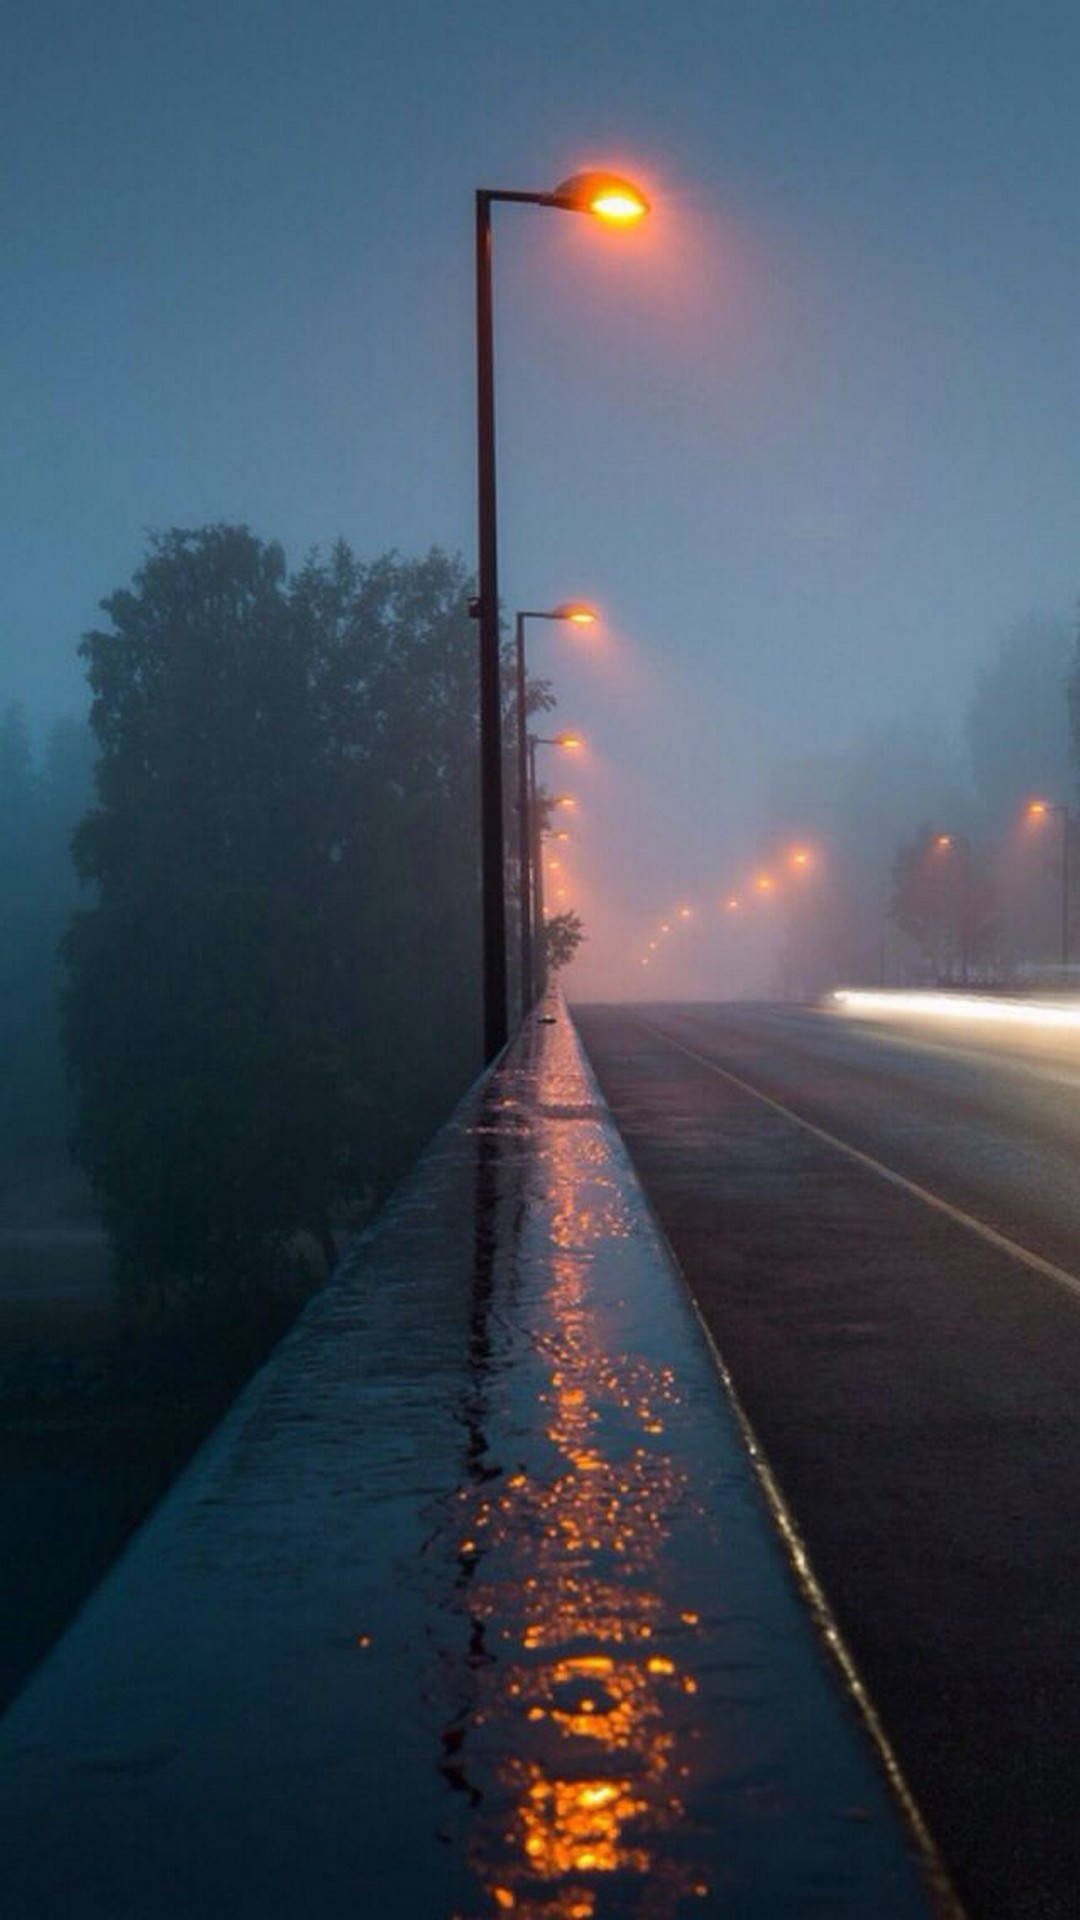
607, 197
763, 884
529, 870
799, 860
1039, 810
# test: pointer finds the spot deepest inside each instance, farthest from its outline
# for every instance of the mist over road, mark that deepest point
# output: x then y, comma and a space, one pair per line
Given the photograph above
881, 1225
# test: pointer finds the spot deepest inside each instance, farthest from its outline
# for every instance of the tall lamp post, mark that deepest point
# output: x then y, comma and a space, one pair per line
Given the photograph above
580, 616
616, 201
569, 740
1037, 810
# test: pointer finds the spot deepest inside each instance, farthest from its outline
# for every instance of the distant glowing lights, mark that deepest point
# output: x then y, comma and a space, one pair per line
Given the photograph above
791, 864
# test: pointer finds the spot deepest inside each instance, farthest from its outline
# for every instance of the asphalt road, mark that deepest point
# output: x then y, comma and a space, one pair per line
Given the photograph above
881, 1225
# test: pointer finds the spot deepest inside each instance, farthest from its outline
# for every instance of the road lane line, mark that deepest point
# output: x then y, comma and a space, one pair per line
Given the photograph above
946, 1901
1001, 1241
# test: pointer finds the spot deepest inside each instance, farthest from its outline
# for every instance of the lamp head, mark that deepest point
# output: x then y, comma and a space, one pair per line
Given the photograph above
576, 612
606, 195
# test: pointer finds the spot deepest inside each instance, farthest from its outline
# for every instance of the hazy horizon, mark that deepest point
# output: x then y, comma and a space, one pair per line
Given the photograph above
807, 437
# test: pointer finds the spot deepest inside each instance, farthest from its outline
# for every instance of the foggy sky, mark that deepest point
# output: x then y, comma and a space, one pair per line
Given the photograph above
808, 437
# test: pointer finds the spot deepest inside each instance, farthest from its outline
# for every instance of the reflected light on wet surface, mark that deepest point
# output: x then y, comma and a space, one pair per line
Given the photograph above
580, 1731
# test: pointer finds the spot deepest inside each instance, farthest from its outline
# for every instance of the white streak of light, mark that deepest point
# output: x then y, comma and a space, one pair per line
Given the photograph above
959, 1007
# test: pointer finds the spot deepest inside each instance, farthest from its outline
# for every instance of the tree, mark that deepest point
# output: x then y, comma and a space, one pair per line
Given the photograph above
395, 690
563, 935
18, 890
852, 806
1018, 721
273, 997
942, 899
41, 798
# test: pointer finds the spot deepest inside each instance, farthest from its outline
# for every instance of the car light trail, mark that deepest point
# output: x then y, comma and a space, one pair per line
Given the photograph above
960, 1007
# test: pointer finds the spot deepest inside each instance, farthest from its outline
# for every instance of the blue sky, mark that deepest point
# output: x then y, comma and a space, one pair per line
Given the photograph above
810, 438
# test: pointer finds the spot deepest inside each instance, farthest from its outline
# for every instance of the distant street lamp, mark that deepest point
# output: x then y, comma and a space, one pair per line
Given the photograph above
619, 203
966, 893
579, 615
1037, 810
561, 800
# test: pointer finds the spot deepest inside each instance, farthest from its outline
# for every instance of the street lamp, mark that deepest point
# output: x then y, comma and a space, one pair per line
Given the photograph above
618, 202
966, 894
561, 800
1038, 810
579, 615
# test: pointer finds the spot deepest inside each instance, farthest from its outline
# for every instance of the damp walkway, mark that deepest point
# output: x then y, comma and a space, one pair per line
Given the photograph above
472, 1606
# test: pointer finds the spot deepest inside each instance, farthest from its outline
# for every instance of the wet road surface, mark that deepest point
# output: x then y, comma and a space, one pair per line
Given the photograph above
915, 1382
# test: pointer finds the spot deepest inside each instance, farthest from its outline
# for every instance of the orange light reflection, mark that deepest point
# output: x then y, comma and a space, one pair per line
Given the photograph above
594, 1733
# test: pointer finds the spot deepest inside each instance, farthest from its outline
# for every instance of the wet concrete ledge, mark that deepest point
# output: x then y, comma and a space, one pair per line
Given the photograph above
471, 1606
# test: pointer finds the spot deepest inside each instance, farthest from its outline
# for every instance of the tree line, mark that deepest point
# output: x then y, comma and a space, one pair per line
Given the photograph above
44, 787
931, 868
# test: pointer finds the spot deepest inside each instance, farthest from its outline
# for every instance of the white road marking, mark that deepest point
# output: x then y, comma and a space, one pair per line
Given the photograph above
1047, 1268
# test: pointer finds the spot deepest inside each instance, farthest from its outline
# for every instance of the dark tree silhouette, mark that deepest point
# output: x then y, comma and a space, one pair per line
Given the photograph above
943, 900
41, 797
273, 999
563, 935
1018, 720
